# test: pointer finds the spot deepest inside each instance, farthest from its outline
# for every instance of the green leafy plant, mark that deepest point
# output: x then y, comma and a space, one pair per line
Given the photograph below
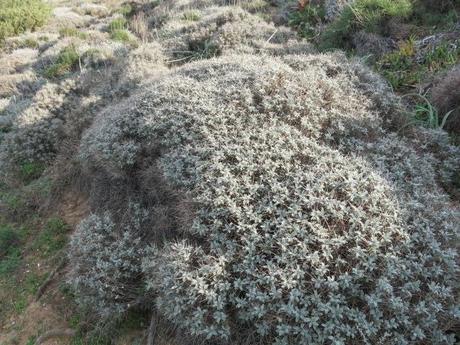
31, 171
18, 16
118, 24
368, 15
66, 61
31, 340
125, 10
438, 14
118, 29
306, 20
120, 35
13, 201
72, 32
30, 43
255, 5
426, 115
403, 69
53, 237
191, 15
10, 255
9, 240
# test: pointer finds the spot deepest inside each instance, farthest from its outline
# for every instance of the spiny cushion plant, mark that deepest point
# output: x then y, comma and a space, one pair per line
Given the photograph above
106, 261
18, 16
220, 31
312, 223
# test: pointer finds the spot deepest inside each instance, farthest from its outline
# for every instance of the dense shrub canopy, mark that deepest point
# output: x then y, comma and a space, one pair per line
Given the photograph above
106, 261
311, 223
18, 16
213, 31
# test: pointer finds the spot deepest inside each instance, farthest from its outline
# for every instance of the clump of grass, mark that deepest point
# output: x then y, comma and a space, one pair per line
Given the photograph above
12, 201
53, 237
31, 340
31, 171
10, 255
118, 24
368, 15
29, 43
15, 292
67, 61
72, 32
121, 35
192, 16
125, 10
255, 5
404, 70
118, 29
442, 14
426, 115
9, 240
306, 20
18, 16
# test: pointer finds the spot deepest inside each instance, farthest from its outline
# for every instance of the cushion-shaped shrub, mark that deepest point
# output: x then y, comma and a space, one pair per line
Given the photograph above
105, 257
220, 31
312, 222
18, 16
36, 129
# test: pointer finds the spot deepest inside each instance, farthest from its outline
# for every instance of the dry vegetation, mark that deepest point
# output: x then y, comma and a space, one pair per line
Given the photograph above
197, 172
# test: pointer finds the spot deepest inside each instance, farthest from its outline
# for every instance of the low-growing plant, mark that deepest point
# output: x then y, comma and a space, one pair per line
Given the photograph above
118, 24
255, 5
9, 240
303, 228
52, 238
13, 201
426, 115
437, 14
30, 43
72, 32
106, 262
368, 15
18, 16
306, 20
442, 56
125, 10
10, 255
67, 61
191, 15
398, 67
404, 69
121, 35
118, 29
228, 30
31, 170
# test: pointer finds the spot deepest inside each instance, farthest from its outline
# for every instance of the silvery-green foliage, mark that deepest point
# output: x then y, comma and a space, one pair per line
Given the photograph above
224, 30
36, 129
313, 224
105, 261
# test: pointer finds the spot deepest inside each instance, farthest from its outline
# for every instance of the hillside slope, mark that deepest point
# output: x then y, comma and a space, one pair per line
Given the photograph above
188, 171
